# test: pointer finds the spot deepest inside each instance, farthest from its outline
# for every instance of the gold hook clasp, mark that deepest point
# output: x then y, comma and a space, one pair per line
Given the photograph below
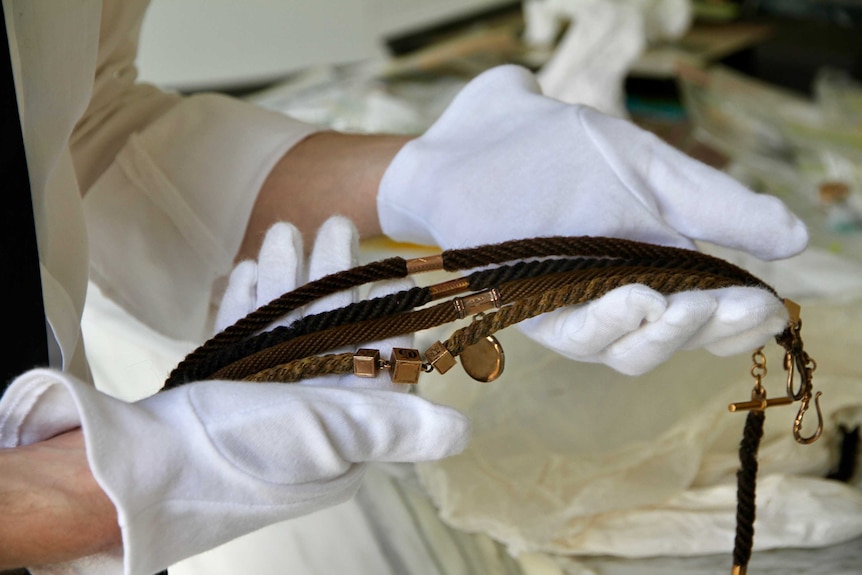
797, 423
797, 360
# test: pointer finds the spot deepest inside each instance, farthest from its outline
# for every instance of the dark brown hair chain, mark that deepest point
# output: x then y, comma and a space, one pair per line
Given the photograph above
528, 278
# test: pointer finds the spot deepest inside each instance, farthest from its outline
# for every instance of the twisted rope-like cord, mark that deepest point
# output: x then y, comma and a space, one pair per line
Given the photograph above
205, 362
390, 268
305, 368
209, 358
746, 483
380, 328
195, 365
357, 333
582, 291
206, 365
283, 364
579, 246
202, 363
257, 320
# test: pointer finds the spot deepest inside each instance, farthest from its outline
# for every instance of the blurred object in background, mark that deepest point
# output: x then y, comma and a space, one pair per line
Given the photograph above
844, 13
703, 43
806, 150
593, 44
807, 35
394, 21
193, 45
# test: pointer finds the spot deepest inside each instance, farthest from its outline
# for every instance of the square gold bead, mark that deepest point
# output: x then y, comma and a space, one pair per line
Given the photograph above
439, 357
405, 365
366, 363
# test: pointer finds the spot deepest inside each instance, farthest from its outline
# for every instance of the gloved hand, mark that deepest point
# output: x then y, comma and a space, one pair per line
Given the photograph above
505, 162
196, 466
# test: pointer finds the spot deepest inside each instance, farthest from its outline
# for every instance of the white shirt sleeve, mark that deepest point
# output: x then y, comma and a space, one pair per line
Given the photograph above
168, 215
169, 183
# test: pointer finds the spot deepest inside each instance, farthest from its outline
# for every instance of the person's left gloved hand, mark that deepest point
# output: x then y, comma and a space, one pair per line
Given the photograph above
196, 466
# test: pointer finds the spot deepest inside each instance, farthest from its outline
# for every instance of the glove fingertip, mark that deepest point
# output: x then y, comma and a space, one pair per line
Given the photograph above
641, 351
441, 432
639, 300
748, 306
791, 240
281, 234
239, 295
335, 248
279, 262
745, 342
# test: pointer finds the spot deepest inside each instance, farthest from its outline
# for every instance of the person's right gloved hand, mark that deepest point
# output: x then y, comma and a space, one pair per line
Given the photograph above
196, 466
506, 162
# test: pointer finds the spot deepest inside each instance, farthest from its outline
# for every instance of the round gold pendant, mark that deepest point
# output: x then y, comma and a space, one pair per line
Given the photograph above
484, 361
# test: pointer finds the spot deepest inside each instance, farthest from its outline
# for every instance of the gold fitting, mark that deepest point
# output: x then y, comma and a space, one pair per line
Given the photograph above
759, 404
366, 363
484, 360
440, 357
477, 302
425, 264
793, 310
739, 570
405, 365
447, 288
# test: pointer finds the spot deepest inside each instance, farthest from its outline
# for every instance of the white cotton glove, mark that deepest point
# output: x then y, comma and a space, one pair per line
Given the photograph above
202, 464
505, 162
199, 465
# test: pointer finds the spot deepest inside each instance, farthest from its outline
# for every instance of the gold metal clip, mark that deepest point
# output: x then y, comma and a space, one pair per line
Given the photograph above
476, 302
758, 401
795, 358
758, 404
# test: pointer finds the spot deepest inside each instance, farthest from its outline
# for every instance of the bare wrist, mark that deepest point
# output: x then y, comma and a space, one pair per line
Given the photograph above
326, 174
53, 509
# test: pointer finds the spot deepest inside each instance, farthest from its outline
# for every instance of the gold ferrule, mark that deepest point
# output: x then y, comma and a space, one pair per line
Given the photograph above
425, 264
759, 404
477, 302
739, 570
793, 310
447, 288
